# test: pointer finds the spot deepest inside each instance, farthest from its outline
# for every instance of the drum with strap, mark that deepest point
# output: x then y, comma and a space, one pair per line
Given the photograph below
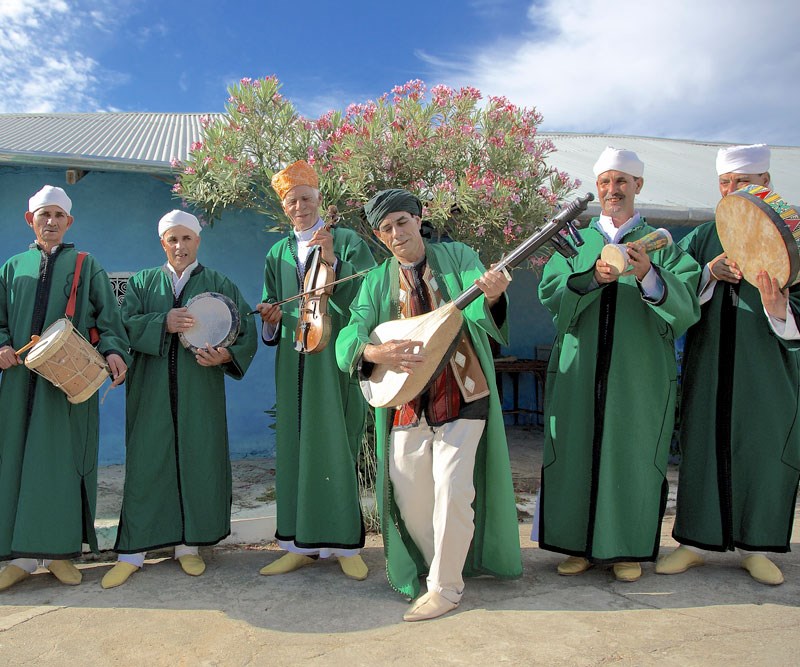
67, 360
216, 322
760, 231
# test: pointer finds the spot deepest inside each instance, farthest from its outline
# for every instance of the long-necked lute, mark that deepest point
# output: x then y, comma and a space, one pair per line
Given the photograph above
437, 332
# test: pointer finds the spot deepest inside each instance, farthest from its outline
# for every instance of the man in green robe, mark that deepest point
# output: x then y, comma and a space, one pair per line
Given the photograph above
739, 433
320, 413
48, 446
444, 486
177, 467
611, 384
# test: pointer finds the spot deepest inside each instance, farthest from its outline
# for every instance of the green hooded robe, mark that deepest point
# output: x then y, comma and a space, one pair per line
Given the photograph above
177, 467
739, 434
610, 402
495, 546
320, 412
48, 446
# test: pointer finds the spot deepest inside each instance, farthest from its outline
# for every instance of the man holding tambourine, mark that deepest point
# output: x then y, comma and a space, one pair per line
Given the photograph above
177, 467
739, 432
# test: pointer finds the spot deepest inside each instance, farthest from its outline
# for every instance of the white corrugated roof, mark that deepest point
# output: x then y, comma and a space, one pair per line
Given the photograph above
680, 178
113, 141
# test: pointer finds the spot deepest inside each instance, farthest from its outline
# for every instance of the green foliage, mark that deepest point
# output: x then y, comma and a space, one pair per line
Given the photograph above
478, 166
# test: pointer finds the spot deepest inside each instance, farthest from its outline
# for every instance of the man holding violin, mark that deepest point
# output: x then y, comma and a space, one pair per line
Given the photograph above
320, 413
446, 448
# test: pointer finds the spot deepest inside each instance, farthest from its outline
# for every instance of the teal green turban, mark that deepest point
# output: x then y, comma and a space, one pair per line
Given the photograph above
391, 201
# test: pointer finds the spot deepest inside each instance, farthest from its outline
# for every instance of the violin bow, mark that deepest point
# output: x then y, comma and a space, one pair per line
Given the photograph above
316, 289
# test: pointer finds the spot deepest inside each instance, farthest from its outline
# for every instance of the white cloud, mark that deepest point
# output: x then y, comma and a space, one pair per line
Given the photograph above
40, 70
710, 70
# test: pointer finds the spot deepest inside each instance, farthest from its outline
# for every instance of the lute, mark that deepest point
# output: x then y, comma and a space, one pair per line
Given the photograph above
437, 332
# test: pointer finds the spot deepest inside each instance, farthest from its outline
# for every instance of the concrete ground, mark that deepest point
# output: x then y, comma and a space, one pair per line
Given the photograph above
712, 615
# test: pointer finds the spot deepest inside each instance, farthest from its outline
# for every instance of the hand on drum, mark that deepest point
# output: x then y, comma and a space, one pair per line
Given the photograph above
117, 367
270, 313
493, 283
722, 268
399, 355
8, 357
179, 319
775, 299
638, 259
212, 356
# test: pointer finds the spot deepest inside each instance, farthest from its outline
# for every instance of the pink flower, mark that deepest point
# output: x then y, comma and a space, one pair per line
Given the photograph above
230, 159
189, 170
242, 108
177, 188
174, 163
246, 81
196, 146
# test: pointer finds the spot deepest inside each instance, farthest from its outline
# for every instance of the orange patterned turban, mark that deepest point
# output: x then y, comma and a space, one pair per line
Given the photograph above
297, 173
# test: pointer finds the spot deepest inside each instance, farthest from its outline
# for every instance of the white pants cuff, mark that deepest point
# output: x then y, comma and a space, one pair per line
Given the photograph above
134, 559
183, 550
30, 565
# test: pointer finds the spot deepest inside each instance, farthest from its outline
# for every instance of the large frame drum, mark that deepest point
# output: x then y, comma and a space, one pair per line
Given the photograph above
216, 322
760, 231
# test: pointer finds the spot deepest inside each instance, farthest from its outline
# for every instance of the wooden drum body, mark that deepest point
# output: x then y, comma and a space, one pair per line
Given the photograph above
68, 361
760, 231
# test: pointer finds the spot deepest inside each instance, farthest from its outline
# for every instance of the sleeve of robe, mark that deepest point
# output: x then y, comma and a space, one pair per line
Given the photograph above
147, 330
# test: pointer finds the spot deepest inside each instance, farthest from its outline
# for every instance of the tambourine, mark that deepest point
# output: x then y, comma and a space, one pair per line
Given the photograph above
760, 231
216, 322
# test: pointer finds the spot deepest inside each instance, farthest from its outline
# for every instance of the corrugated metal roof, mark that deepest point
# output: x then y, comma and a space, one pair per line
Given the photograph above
114, 141
680, 178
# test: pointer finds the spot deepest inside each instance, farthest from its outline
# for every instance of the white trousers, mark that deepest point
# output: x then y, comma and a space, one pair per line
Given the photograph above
431, 473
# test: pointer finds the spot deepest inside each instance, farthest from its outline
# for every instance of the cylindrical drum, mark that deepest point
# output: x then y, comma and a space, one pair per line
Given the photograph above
616, 254
67, 360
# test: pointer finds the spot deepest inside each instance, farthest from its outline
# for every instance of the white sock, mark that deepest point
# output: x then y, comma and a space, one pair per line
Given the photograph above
30, 565
134, 559
183, 550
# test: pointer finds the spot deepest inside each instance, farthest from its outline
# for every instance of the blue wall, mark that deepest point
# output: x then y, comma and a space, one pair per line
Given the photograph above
116, 216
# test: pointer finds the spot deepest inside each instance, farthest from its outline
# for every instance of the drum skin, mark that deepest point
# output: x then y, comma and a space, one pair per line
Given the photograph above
68, 361
759, 231
216, 322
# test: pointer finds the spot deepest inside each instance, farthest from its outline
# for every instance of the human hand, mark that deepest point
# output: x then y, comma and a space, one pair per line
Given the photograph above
118, 368
402, 356
213, 356
270, 313
8, 357
725, 269
774, 299
323, 238
639, 260
179, 319
493, 284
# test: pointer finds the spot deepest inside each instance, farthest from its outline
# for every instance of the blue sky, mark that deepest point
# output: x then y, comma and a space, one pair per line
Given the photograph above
705, 70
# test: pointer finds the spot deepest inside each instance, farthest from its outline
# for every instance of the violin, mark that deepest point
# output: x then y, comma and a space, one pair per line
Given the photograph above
314, 323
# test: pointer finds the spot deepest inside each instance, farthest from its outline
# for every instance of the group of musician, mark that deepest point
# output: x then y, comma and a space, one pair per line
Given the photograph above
444, 490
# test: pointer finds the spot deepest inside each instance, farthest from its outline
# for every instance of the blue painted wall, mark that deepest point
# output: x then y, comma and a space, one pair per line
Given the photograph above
116, 217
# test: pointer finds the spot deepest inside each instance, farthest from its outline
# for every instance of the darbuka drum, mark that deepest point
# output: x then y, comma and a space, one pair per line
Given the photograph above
67, 360
616, 254
216, 322
760, 231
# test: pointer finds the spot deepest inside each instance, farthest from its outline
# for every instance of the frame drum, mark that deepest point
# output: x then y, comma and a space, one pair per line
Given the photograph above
216, 322
760, 231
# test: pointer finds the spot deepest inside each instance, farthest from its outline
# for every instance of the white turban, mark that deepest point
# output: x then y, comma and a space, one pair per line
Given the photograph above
50, 195
753, 159
619, 159
175, 218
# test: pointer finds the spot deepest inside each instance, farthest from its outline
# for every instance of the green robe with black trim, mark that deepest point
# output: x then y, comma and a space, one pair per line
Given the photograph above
320, 412
48, 446
610, 402
739, 435
495, 546
177, 466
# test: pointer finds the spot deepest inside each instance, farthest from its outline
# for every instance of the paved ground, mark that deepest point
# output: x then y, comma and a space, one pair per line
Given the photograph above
713, 615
